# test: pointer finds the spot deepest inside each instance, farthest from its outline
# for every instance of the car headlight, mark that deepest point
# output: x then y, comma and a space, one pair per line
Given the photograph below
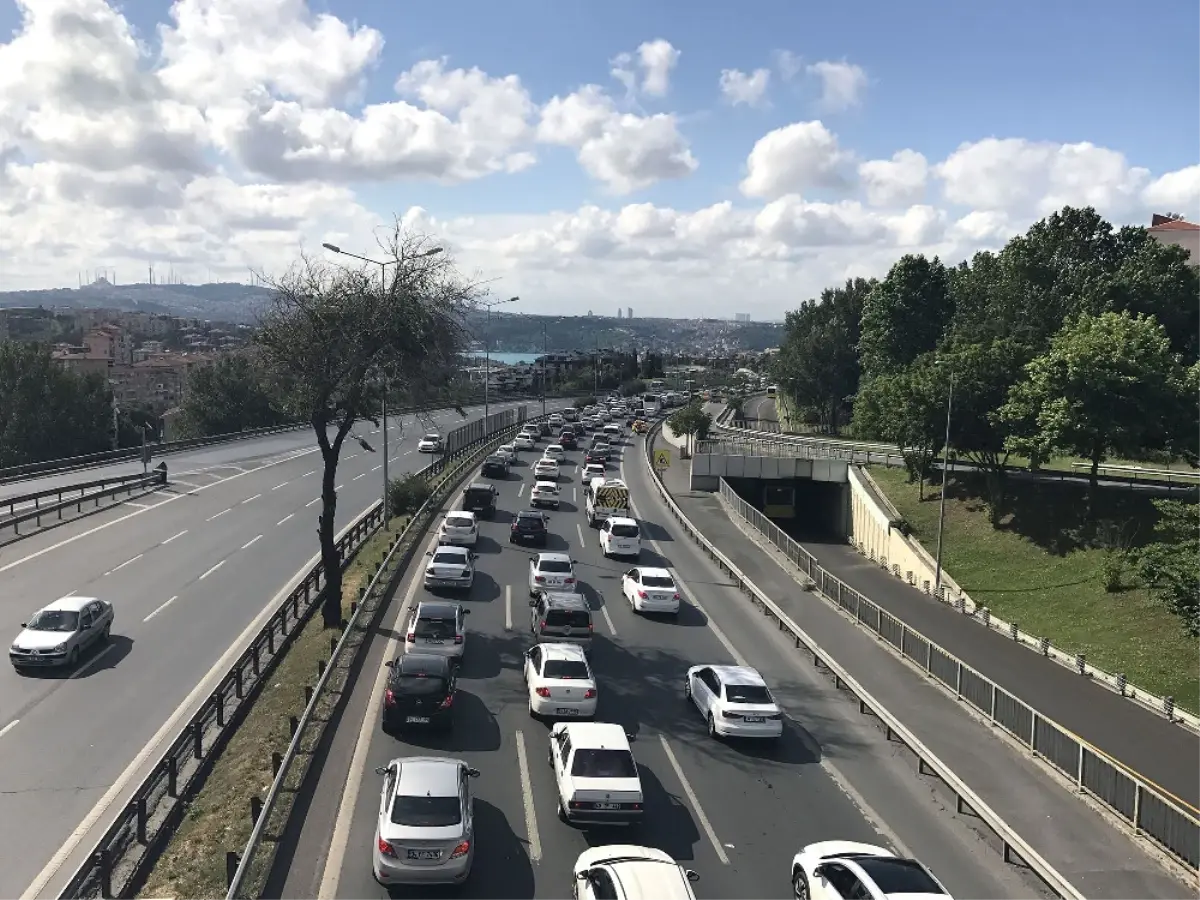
61, 648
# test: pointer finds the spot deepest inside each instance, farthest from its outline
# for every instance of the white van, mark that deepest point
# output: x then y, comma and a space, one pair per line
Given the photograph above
613, 432
605, 498
620, 536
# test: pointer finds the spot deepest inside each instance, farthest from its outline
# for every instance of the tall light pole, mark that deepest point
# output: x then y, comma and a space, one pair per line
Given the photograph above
489, 305
937, 577
545, 353
383, 267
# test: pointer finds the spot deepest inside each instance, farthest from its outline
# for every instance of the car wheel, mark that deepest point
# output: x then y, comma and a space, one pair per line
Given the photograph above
73, 658
800, 885
712, 728
532, 713
104, 635
562, 811
687, 691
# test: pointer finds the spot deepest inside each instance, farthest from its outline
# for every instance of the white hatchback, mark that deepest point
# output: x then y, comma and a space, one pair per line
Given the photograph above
544, 493
554, 452
524, 441
620, 536
459, 527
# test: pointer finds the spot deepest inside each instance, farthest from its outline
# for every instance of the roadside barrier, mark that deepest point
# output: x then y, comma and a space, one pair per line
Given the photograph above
68, 498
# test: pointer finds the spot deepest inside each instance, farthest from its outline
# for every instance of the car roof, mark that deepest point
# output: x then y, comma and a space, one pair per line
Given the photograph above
437, 609
428, 776
656, 571
738, 675
432, 434
597, 736
622, 520
555, 557
545, 484
415, 661
479, 486
461, 514
566, 599
563, 651
650, 878
70, 603
532, 514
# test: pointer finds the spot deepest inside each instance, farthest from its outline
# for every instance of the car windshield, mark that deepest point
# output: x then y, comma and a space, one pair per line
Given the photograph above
899, 876
565, 668
592, 763
556, 566
426, 812
448, 558
747, 693
54, 620
625, 531
657, 581
435, 628
421, 685
459, 521
432, 437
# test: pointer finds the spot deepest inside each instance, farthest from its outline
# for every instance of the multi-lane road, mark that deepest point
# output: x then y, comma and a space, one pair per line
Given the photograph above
192, 570
736, 813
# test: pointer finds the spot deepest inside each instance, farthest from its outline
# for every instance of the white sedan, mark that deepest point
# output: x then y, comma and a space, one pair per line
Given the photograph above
651, 590
508, 450
560, 682
734, 701
524, 441
828, 870
57, 634
554, 451
459, 527
544, 493
431, 443
546, 469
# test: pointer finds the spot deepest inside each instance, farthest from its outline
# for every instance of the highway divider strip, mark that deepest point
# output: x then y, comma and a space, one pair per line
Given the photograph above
120, 489
249, 871
1013, 843
121, 859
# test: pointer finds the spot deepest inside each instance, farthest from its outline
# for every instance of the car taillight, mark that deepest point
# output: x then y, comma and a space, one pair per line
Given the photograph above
589, 693
542, 625
448, 702
411, 636
543, 692
389, 698
642, 595
385, 848
677, 597
568, 581
458, 639
591, 627
461, 850
539, 578
514, 526
731, 715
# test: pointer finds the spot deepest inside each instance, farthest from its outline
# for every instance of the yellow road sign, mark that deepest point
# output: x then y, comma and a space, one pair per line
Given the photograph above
662, 459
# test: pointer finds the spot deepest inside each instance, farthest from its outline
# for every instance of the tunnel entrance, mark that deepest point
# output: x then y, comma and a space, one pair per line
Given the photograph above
807, 510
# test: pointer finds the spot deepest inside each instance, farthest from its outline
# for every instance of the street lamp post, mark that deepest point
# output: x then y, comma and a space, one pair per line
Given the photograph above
487, 351
545, 352
937, 577
383, 267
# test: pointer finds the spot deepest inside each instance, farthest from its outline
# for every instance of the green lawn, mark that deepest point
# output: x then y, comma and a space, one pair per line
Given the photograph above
1038, 570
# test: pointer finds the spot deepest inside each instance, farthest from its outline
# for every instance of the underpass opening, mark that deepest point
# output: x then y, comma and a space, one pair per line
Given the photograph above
807, 510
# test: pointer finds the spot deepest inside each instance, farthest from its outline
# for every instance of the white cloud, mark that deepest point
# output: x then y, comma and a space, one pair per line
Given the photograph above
794, 158
788, 63
656, 59
737, 87
897, 181
842, 84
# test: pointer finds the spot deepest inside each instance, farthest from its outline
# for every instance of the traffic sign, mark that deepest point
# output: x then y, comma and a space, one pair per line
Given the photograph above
662, 459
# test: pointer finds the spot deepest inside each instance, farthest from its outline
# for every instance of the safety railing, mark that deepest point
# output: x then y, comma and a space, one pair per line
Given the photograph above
1171, 823
30, 509
248, 872
786, 450
120, 859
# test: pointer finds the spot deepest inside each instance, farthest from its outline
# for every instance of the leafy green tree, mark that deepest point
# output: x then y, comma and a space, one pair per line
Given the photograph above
46, 411
907, 408
651, 366
633, 387
691, 422
1108, 384
231, 395
904, 315
1170, 565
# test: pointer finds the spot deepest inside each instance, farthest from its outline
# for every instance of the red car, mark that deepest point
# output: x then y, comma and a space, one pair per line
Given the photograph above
567, 440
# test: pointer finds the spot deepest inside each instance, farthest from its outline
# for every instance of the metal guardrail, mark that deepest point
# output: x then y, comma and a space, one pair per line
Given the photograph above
89, 492
32, 501
120, 858
787, 450
1170, 822
250, 870
1013, 843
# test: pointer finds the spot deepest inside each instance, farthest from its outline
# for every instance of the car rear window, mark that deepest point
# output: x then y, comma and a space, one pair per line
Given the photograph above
555, 566
592, 763
625, 531
422, 685
449, 559
459, 521
576, 618
565, 668
747, 693
479, 496
435, 628
426, 812
657, 581
899, 876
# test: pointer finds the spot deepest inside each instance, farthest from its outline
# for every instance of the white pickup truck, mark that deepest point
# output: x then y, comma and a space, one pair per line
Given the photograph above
604, 497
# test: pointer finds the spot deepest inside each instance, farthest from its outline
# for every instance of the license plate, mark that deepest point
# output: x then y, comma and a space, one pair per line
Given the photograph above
418, 720
608, 806
425, 854
566, 711
434, 641
755, 719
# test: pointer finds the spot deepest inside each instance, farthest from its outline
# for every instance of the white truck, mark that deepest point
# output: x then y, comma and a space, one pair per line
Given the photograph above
605, 497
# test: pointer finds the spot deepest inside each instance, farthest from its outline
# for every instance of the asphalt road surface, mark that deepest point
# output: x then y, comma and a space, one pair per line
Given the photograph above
190, 570
761, 408
735, 812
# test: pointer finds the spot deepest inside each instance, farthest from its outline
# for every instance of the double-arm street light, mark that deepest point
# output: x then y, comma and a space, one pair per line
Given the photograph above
383, 267
489, 305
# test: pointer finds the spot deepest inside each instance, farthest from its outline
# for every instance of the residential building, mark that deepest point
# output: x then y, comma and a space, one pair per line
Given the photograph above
111, 341
1172, 229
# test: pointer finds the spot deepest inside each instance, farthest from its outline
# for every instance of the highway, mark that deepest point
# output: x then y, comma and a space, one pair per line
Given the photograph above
191, 570
736, 813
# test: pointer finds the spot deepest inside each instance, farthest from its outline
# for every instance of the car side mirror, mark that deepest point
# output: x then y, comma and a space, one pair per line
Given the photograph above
23, 625
466, 612
584, 876
692, 875
429, 553
474, 556
390, 664
532, 604
630, 736
472, 773
381, 770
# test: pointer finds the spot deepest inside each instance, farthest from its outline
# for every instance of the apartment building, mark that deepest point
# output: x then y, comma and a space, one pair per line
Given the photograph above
1174, 230
110, 341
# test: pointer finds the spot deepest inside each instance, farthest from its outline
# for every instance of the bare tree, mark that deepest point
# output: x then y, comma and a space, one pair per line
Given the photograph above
330, 336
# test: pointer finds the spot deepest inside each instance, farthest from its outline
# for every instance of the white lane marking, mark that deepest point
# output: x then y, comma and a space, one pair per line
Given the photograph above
92, 663
160, 608
579, 531
691, 795
508, 607
339, 487
574, 495
217, 516
406, 452
377, 468
136, 505
186, 484
124, 564
608, 620
213, 569
278, 486
285, 518
250, 543
9, 727
531, 825
521, 489
306, 474
172, 537
250, 499
358, 476
351, 456
339, 839
312, 501
162, 494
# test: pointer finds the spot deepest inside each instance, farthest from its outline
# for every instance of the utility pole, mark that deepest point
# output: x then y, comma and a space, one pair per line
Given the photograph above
116, 427
545, 351
487, 352
937, 578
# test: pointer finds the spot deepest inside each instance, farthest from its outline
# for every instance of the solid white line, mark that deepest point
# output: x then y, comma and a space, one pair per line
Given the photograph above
579, 531
160, 608
521, 489
285, 518
358, 476
172, 537
508, 607
278, 486
250, 543
126, 563
194, 487
531, 825
9, 727
249, 499
608, 620
91, 663
136, 505
311, 502
213, 569
217, 516
691, 795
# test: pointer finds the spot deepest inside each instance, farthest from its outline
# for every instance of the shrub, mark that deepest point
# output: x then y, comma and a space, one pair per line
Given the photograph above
407, 493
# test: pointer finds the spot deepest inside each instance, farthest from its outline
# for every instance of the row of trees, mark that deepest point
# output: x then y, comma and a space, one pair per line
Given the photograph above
1075, 339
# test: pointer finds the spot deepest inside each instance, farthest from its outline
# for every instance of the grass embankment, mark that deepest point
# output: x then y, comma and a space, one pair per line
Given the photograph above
1042, 570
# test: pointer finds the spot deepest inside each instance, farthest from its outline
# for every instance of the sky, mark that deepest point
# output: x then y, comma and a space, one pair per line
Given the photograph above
682, 159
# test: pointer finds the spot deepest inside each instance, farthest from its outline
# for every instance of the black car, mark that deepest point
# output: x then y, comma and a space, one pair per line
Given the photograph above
420, 693
595, 456
567, 440
480, 498
495, 466
529, 527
